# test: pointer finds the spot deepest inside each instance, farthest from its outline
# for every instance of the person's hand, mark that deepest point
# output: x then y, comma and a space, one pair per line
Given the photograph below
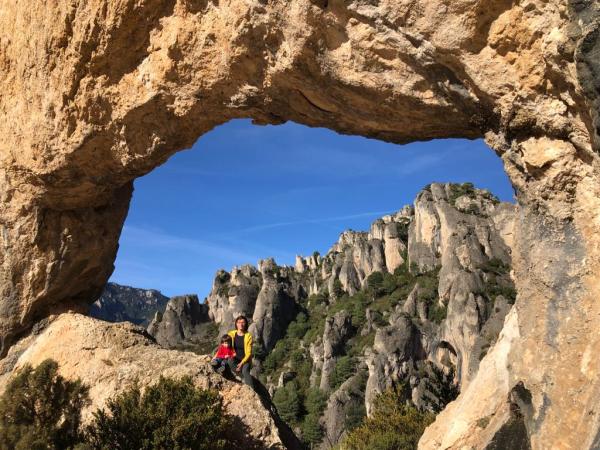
239, 367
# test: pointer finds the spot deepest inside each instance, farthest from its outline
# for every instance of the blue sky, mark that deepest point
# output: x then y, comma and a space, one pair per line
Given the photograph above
245, 192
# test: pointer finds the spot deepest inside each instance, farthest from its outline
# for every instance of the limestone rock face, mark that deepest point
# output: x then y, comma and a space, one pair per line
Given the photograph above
233, 294
100, 92
435, 336
485, 405
183, 322
337, 330
116, 355
275, 305
342, 405
123, 303
454, 228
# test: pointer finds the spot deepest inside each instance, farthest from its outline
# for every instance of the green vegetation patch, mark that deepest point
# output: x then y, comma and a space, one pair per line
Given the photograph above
393, 425
300, 405
458, 190
169, 414
344, 368
498, 282
41, 410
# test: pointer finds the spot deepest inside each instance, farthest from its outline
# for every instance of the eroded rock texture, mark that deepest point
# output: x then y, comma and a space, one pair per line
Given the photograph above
184, 322
119, 355
434, 281
97, 93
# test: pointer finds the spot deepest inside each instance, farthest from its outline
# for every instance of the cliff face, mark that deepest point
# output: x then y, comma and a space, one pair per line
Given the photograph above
432, 283
100, 92
123, 303
184, 325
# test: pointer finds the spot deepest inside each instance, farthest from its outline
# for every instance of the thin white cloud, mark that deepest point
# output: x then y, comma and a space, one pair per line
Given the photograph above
151, 238
228, 254
268, 226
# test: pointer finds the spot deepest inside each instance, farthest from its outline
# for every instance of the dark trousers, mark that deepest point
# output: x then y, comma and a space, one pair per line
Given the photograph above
218, 362
245, 371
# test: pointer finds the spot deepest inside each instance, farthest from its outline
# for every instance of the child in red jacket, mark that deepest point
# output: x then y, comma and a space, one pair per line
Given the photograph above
224, 352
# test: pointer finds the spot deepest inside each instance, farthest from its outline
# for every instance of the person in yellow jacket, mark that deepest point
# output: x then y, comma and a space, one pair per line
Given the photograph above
241, 341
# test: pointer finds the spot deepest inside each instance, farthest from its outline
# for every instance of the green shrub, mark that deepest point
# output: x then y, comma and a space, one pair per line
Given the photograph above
357, 309
258, 351
319, 298
315, 401
355, 305
170, 414
41, 410
344, 368
357, 344
375, 283
499, 285
355, 413
389, 284
288, 402
278, 355
298, 327
380, 284
393, 425
437, 313
312, 432
338, 289
458, 190
441, 385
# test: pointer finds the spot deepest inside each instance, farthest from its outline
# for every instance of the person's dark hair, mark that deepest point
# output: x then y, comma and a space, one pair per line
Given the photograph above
245, 322
225, 339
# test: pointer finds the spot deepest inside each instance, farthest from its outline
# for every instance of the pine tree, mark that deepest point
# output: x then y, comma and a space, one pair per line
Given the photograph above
41, 410
287, 401
393, 425
312, 432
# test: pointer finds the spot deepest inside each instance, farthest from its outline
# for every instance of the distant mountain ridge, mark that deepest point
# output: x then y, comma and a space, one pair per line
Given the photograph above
125, 303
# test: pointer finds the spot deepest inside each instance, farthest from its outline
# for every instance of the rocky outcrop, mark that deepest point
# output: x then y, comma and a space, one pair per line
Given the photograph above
232, 295
344, 408
449, 256
124, 303
338, 329
98, 93
435, 277
118, 355
185, 324
445, 265
276, 304
484, 410
455, 228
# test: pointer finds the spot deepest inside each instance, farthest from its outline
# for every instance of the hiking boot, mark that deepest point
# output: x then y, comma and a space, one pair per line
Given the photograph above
214, 363
221, 370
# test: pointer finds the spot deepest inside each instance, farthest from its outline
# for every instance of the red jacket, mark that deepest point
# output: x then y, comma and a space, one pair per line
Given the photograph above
224, 352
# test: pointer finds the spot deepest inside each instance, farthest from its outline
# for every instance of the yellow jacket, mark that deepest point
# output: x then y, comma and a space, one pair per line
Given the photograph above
247, 345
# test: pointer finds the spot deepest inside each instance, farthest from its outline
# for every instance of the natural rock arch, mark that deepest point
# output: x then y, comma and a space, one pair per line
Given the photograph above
97, 93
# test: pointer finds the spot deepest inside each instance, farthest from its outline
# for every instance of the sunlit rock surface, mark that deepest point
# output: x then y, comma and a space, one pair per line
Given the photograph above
111, 357
100, 92
434, 337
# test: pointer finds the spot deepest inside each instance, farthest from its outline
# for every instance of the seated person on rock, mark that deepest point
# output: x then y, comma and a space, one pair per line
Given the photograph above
242, 345
224, 353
